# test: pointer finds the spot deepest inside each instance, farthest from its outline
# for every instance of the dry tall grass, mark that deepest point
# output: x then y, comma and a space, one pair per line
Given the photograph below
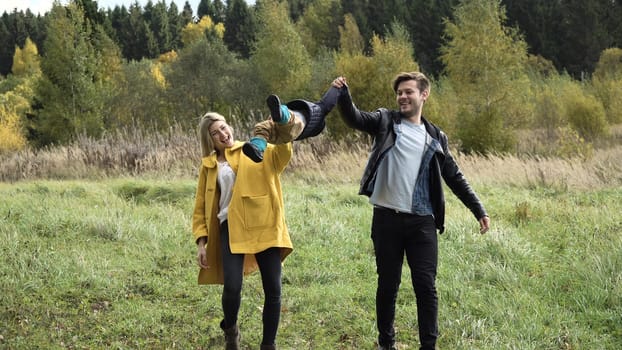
175, 154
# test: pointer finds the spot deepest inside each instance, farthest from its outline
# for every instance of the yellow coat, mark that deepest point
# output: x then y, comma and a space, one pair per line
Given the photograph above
256, 212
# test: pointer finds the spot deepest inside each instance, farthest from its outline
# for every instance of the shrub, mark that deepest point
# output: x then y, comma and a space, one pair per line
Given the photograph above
607, 82
587, 116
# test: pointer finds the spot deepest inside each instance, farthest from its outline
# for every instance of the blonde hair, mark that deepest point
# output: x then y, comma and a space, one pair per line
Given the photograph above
207, 144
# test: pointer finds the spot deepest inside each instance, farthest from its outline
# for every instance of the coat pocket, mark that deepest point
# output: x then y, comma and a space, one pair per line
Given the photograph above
258, 212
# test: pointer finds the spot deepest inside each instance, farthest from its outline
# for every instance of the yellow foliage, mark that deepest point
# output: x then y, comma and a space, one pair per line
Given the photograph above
156, 73
206, 23
195, 31
219, 29
19, 67
609, 65
11, 135
191, 33
607, 82
393, 55
26, 59
350, 38
168, 57
370, 78
570, 144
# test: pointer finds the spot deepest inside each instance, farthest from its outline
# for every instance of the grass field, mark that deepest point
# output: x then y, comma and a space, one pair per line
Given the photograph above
110, 264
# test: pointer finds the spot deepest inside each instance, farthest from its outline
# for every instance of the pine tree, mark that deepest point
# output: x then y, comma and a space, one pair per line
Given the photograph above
75, 68
240, 28
160, 27
319, 26
175, 25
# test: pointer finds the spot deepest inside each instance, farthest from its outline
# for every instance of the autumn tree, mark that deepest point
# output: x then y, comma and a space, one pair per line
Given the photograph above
12, 134
485, 61
351, 41
140, 98
280, 59
194, 32
370, 77
26, 60
16, 94
202, 79
607, 81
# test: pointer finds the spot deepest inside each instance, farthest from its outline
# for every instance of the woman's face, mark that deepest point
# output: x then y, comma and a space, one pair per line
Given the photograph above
221, 135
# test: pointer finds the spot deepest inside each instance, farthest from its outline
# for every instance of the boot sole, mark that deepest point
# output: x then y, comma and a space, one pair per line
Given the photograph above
274, 105
251, 152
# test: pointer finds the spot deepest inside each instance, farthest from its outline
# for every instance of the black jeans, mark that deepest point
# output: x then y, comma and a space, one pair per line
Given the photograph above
269, 262
394, 234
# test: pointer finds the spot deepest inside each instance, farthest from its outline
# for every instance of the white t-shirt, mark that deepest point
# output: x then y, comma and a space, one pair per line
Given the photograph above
398, 170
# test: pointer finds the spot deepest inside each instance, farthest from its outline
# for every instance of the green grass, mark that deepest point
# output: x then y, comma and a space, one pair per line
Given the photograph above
111, 264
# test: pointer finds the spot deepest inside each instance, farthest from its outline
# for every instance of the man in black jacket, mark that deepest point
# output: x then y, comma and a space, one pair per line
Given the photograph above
402, 179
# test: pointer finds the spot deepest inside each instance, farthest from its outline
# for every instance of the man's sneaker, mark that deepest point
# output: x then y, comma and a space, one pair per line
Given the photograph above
252, 152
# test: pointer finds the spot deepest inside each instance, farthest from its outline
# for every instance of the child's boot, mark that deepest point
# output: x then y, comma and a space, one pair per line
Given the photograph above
254, 148
278, 112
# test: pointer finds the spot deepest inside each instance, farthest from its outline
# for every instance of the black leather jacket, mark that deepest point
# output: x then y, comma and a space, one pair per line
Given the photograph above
379, 125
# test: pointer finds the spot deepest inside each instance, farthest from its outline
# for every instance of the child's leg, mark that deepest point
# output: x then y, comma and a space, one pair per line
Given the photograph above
264, 129
288, 124
283, 127
289, 131
277, 133
315, 113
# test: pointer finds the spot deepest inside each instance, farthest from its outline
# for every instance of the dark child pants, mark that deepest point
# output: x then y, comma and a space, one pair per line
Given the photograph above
269, 262
394, 234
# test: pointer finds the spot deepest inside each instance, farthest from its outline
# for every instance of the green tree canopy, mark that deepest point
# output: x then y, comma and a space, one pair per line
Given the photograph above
75, 68
240, 25
319, 25
485, 62
281, 61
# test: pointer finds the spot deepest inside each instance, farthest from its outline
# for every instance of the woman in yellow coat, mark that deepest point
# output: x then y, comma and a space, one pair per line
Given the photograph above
239, 223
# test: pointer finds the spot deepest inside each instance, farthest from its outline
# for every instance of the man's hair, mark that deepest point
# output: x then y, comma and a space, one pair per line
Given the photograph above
423, 83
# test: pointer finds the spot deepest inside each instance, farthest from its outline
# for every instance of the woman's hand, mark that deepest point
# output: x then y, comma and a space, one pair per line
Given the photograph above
202, 254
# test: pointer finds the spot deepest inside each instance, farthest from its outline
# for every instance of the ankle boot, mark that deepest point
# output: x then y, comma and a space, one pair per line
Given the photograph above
252, 151
232, 337
274, 105
268, 347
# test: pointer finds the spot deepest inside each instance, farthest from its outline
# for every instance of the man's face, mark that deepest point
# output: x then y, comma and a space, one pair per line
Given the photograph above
409, 98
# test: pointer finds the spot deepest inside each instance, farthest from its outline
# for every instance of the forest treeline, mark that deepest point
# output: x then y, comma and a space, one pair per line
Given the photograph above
570, 33
498, 67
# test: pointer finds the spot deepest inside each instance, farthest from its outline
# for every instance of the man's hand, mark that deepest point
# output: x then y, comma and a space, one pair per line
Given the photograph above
339, 82
484, 224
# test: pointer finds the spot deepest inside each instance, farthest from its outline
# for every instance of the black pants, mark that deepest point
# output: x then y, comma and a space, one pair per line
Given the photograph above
394, 234
269, 262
